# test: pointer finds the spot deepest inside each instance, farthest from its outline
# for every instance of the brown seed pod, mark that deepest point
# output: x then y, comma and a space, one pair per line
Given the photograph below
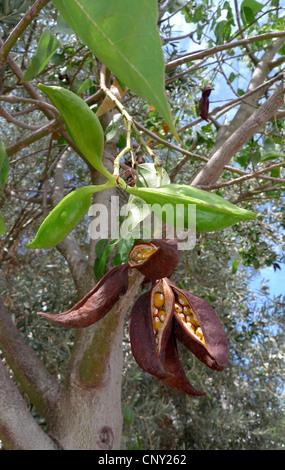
156, 259
204, 102
150, 328
198, 327
96, 303
153, 342
172, 365
161, 304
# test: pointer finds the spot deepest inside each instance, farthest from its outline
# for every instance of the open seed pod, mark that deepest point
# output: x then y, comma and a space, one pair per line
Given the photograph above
150, 327
199, 329
96, 303
156, 259
172, 365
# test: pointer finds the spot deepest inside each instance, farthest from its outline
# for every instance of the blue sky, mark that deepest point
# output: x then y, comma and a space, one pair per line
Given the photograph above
276, 280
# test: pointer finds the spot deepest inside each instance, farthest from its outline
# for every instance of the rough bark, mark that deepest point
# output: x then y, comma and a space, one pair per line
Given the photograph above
88, 414
18, 429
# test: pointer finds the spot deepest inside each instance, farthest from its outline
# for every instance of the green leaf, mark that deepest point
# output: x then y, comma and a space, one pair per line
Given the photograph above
123, 35
147, 177
4, 165
248, 9
271, 155
113, 127
128, 414
222, 31
47, 46
124, 246
83, 85
102, 249
82, 124
234, 266
64, 217
212, 211
2, 225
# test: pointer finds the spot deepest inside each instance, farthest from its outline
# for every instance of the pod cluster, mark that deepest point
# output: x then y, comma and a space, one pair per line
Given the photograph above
159, 318
166, 314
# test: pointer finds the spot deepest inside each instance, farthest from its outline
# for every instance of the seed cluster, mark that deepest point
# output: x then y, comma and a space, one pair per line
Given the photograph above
187, 315
141, 253
158, 312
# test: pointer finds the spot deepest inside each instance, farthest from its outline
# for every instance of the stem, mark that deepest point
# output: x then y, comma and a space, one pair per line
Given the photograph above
130, 124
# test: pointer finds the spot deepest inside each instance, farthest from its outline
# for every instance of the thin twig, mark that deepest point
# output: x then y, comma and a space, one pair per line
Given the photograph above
221, 47
241, 179
23, 125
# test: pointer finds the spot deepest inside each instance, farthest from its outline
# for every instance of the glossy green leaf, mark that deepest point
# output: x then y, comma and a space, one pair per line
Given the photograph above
64, 217
82, 124
46, 48
123, 35
212, 211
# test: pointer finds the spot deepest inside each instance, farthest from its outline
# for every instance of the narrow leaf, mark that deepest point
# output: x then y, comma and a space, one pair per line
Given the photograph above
124, 36
212, 211
271, 155
64, 217
82, 124
103, 249
47, 46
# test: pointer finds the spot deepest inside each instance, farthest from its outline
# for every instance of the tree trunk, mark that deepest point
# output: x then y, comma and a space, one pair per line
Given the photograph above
88, 413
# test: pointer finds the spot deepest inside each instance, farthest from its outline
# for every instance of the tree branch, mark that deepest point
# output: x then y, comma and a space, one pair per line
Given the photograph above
254, 174
36, 381
20, 28
69, 248
222, 47
215, 166
22, 125
189, 154
18, 429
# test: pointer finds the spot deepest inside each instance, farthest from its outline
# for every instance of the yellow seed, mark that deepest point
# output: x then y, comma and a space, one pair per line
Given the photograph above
156, 323
186, 310
191, 328
182, 300
182, 316
162, 315
141, 253
154, 311
178, 308
158, 299
192, 319
199, 333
